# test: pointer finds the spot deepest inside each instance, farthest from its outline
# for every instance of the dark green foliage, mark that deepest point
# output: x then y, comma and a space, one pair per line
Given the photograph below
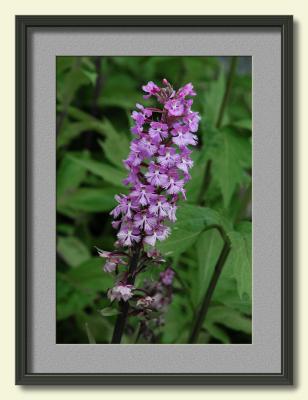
95, 96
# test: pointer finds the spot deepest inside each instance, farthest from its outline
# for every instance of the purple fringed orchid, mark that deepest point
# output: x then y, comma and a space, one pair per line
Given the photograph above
158, 164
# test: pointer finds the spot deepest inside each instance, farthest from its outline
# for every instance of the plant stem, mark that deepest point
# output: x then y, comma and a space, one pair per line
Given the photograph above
230, 78
124, 305
209, 293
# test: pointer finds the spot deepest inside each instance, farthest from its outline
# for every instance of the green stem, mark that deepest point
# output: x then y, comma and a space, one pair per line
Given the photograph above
124, 305
230, 79
197, 326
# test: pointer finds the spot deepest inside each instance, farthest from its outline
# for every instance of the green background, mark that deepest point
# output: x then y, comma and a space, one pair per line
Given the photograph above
95, 96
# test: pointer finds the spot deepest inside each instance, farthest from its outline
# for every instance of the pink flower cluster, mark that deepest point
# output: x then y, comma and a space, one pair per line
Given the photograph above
158, 163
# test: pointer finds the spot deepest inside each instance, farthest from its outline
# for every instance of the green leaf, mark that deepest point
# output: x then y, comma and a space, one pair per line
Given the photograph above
101, 328
72, 250
90, 200
208, 246
89, 334
217, 332
71, 130
65, 229
241, 259
229, 318
92, 76
69, 299
105, 171
70, 82
226, 292
89, 276
115, 146
109, 312
213, 98
69, 175
191, 221
119, 90
230, 158
197, 173
64, 63
79, 287
244, 124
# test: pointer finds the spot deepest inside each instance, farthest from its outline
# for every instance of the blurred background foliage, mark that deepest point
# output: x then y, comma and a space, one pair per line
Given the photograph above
95, 97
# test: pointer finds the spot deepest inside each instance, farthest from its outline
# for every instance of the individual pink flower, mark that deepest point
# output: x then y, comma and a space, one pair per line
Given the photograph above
175, 107
160, 206
126, 205
156, 175
187, 90
121, 292
158, 131
161, 232
182, 137
167, 156
151, 89
143, 194
128, 235
145, 220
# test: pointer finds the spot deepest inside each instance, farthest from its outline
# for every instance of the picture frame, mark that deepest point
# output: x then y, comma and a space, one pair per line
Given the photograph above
24, 212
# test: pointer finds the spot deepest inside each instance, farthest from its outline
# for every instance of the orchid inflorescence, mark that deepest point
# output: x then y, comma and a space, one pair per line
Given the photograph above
158, 163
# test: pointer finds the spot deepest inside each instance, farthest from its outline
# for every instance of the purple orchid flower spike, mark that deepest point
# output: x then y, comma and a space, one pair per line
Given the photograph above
158, 163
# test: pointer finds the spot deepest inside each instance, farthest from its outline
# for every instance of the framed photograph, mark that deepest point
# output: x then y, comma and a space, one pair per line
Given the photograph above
154, 200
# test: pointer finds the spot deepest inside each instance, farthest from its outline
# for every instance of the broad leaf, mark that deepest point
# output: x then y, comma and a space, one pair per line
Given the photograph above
213, 98
89, 276
115, 146
72, 250
69, 176
230, 159
209, 246
191, 221
90, 200
110, 174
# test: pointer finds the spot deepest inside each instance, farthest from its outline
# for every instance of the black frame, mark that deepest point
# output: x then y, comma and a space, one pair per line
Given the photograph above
23, 24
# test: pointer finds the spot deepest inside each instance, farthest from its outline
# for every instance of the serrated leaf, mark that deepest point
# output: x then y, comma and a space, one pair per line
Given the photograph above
191, 221
230, 158
72, 250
